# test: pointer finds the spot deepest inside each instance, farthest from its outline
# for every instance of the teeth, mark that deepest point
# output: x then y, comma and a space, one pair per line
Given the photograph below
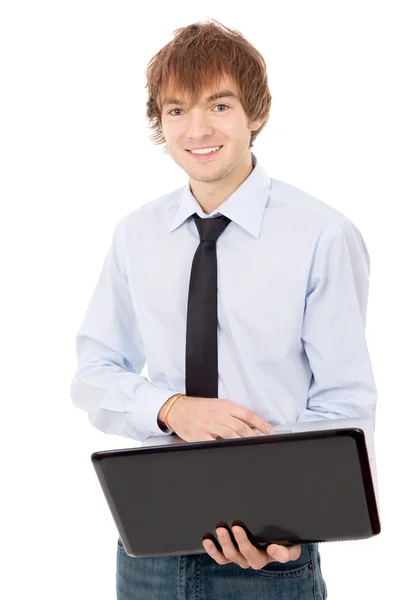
205, 150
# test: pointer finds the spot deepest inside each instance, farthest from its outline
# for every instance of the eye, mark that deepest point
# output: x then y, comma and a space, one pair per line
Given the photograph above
180, 109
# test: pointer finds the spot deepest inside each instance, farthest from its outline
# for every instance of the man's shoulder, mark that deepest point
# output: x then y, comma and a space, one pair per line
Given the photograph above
152, 209
303, 206
162, 202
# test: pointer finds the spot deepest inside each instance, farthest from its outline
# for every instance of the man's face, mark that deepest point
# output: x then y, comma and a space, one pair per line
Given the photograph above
219, 122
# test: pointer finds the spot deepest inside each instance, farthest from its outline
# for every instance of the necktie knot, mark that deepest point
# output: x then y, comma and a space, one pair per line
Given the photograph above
211, 228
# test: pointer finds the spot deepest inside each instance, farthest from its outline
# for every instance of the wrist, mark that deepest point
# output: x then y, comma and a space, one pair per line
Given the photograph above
169, 408
164, 408
165, 413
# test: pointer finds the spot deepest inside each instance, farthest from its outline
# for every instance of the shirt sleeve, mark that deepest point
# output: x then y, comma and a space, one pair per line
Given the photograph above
333, 331
107, 384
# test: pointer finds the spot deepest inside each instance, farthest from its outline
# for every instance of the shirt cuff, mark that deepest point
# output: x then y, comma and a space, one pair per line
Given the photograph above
143, 405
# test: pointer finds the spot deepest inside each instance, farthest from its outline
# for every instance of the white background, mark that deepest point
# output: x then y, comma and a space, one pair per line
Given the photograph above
76, 157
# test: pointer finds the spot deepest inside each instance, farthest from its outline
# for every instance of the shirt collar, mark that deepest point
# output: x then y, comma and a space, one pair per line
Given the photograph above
245, 206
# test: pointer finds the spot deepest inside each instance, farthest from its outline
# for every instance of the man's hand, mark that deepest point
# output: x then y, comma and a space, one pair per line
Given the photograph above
249, 555
196, 419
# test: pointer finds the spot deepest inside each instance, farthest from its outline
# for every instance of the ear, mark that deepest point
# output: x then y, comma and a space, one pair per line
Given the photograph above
257, 124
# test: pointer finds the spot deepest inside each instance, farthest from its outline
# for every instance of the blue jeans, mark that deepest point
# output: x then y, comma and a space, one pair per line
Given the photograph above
200, 577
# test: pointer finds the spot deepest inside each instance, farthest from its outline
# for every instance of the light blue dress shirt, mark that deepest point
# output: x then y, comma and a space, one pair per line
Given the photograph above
293, 279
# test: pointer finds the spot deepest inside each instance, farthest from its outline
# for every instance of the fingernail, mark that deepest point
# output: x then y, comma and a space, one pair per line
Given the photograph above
270, 430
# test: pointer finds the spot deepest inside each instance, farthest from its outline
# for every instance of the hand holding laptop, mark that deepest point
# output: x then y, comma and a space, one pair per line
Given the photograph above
196, 419
247, 555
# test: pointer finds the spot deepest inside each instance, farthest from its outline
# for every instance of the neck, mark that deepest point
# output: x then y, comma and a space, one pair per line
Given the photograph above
211, 194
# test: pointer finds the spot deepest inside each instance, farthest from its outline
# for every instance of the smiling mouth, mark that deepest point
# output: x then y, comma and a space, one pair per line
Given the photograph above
206, 156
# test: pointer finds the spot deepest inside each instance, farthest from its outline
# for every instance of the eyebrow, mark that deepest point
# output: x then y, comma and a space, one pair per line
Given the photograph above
215, 96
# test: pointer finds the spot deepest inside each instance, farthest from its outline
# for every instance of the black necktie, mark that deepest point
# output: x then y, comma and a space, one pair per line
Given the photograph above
201, 359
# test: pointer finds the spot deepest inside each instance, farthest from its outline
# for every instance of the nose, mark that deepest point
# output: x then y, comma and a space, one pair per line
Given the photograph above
198, 128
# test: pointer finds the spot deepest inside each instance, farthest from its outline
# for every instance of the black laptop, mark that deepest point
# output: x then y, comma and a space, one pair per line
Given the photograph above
293, 488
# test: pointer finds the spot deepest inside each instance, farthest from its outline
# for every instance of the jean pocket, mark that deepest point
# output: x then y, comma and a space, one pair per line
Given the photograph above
269, 571
293, 568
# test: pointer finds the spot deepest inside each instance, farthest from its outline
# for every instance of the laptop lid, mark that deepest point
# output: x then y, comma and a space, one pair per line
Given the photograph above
288, 489
366, 424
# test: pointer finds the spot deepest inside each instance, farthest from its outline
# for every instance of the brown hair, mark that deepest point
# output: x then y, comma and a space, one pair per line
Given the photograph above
196, 59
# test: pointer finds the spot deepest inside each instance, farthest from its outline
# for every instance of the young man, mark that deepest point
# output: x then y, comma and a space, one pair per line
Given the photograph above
291, 286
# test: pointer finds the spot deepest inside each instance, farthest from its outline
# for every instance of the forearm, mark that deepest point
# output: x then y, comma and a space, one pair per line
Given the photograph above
118, 401
344, 402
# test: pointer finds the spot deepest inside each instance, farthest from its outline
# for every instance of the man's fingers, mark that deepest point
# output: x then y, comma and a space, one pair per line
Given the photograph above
254, 557
284, 554
215, 553
254, 420
236, 429
249, 555
229, 550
